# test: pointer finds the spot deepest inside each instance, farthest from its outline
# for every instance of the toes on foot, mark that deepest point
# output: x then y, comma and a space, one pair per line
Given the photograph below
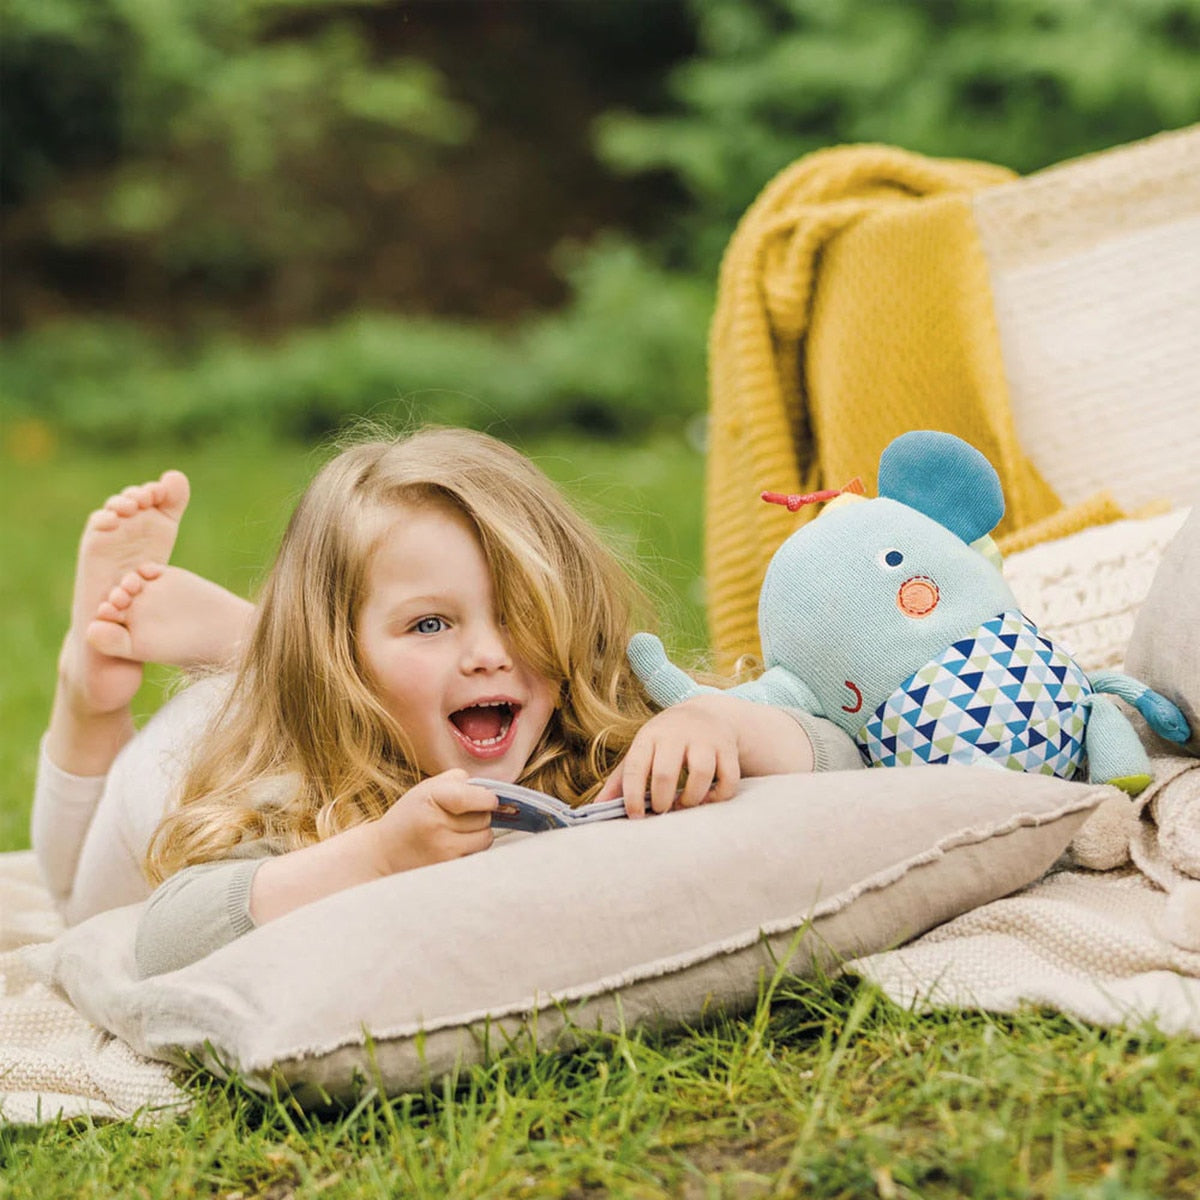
131, 584
110, 638
121, 505
103, 521
175, 492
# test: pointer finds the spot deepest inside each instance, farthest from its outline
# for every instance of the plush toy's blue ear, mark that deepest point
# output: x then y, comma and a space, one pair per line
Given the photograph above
944, 478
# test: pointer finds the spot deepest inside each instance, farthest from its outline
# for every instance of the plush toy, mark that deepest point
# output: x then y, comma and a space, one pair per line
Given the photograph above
891, 618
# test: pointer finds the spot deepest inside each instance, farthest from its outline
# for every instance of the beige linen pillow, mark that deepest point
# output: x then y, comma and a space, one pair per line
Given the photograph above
1085, 591
1164, 650
405, 980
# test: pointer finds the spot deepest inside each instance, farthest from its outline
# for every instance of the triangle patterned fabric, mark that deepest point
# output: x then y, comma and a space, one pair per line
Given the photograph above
1002, 695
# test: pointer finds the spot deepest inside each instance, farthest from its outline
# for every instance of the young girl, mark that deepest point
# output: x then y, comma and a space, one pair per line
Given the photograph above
436, 611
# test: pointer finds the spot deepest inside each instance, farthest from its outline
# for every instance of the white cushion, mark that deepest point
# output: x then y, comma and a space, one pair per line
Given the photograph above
1095, 274
1085, 591
1165, 648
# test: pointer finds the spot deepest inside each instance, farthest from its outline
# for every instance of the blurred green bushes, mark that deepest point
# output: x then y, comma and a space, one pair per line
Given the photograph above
626, 356
221, 143
288, 212
1024, 83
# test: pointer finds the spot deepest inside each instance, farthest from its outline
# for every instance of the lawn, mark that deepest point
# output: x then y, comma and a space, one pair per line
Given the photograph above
824, 1090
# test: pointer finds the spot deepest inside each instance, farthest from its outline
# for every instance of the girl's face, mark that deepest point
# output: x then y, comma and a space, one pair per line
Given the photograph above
442, 664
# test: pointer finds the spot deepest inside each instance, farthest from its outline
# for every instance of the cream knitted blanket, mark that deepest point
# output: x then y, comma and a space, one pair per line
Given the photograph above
53, 1063
1113, 947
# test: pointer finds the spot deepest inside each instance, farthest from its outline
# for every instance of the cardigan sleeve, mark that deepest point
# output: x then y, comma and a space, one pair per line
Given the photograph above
833, 748
63, 808
196, 911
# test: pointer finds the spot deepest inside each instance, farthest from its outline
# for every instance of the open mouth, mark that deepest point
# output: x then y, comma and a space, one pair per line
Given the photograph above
486, 729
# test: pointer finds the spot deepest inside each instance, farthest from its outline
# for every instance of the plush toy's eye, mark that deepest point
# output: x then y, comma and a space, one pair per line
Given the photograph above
889, 558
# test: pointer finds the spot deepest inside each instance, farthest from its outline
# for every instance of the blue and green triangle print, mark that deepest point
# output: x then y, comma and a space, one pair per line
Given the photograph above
1002, 693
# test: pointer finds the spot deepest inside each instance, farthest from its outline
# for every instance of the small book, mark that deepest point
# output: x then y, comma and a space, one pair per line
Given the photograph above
534, 812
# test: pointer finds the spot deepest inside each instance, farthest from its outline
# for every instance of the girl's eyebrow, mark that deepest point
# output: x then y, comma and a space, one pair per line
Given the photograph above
407, 605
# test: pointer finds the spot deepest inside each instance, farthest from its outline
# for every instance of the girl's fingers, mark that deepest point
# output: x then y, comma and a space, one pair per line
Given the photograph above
701, 770
612, 787
634, 769
664, 777
451, 793
675, 761
729, 775
469, 822
473, 843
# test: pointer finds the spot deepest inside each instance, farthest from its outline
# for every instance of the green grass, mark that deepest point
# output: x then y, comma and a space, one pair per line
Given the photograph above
825, 1090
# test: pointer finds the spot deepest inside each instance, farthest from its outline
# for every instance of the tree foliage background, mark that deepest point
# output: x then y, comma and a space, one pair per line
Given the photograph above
503, 212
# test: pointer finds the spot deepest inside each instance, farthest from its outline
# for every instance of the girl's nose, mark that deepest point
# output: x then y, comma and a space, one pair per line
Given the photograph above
487, 650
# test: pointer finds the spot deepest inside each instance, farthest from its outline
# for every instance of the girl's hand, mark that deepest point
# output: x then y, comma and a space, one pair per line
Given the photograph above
442, 817
685, 755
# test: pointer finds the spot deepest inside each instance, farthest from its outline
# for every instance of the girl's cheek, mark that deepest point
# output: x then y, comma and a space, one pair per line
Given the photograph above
405, 656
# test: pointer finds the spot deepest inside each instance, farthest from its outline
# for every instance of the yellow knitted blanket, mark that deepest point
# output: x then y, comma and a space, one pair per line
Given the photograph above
853, 305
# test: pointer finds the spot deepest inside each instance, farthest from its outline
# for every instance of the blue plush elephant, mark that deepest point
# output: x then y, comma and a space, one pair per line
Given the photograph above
891, 618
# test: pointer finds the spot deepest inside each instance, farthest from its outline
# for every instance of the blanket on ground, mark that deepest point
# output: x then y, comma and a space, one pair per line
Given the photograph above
1096, 945
54, 1064
1112, 947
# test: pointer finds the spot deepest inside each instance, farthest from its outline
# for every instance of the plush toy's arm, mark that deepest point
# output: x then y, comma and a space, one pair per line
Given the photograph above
668, 685
779, 687
1161, 714
665, 682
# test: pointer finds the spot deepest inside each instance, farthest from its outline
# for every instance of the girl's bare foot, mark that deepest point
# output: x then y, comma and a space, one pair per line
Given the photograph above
90, 719
168, 615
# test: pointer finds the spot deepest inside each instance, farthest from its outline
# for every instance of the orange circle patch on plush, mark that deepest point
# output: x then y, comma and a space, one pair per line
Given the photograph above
918, 596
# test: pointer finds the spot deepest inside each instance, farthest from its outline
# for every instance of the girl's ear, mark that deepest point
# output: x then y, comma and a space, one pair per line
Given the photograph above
943, 477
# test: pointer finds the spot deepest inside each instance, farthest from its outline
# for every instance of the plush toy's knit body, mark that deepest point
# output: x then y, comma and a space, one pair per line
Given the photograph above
889, 618
1002, 696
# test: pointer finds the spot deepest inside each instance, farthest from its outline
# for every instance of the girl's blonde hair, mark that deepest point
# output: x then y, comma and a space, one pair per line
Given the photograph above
303, 748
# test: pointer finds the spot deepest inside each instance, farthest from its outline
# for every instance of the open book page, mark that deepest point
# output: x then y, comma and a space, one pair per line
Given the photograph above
534, 812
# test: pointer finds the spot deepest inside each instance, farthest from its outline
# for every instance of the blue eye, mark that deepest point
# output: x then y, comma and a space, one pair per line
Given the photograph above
429, 625
890, 558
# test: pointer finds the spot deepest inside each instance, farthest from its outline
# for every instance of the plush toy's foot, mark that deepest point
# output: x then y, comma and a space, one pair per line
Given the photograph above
1114, 753
1102, 842
1132, 784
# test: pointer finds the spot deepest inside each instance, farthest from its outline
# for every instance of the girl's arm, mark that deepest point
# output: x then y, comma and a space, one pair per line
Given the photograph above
766, 736
441, 818
196, 911
204, 907
208, 905
64, 805
288, 881
698, 751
